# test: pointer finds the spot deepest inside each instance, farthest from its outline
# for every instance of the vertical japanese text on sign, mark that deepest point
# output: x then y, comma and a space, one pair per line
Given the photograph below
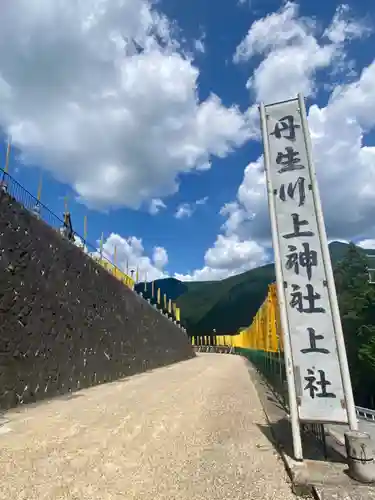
308, 310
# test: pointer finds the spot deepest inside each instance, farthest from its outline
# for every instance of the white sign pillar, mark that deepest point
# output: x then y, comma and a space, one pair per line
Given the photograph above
292, 398
315, 358
341, 350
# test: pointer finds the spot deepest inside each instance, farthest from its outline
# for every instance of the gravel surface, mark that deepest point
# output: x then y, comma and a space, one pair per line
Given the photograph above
187, 431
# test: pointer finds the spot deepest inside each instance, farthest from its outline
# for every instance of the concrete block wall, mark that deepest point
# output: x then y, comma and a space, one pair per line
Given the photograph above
65, 322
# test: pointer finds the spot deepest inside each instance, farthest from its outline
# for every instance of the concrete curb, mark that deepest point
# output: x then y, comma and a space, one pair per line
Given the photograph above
297, 471
338, 437
305, 480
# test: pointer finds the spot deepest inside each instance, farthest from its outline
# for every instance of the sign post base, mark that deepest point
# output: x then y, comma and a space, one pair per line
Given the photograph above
360, 455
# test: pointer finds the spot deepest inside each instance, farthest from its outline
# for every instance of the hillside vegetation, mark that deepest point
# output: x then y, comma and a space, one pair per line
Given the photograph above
229, 304
356, 298
232, 303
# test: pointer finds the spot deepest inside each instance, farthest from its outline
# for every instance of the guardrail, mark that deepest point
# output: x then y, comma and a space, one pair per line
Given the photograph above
318, 432
12, 188
220, 349
365, 413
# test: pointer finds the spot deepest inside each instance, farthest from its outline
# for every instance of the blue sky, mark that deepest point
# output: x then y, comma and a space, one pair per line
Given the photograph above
117, 125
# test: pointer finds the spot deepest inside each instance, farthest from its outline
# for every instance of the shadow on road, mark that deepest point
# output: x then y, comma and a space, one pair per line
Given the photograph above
279, 432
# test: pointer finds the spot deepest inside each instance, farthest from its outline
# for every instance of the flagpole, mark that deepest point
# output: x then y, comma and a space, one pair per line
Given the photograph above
39, 195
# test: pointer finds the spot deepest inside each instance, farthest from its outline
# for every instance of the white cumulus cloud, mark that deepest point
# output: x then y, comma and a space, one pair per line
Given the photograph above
368, 244
294, 51
130, 254
229, 256
102, 94
292, 46
160, 257
343, 27
186, 210
156, 205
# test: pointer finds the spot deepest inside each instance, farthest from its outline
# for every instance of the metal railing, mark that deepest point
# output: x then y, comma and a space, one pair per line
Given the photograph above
318, 431
219, 349
15, 191
12, 188
371, 269
365, 413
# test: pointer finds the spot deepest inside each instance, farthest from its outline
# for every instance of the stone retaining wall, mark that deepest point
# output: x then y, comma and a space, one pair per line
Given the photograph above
65, 322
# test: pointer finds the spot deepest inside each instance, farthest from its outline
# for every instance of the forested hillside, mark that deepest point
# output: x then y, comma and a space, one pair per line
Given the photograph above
229, 304
357, 309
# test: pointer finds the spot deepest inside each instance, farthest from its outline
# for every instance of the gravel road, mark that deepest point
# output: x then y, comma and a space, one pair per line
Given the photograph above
187, 431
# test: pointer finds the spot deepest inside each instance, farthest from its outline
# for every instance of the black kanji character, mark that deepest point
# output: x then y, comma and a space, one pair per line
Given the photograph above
289, 160
311, 297
307, 258
296, 228
286, 124
313, 385
290, 190
312, 340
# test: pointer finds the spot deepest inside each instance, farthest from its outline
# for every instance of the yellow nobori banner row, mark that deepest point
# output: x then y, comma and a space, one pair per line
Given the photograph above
264, 333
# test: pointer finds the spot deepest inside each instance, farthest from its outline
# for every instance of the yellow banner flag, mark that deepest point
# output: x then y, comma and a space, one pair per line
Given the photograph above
115, 260
40, 185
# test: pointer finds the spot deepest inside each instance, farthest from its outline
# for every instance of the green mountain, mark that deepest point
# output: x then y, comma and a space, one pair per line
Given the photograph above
225, 305
229, 304
170, 286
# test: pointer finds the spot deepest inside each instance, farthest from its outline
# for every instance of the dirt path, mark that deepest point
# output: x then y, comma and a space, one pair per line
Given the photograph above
188, 431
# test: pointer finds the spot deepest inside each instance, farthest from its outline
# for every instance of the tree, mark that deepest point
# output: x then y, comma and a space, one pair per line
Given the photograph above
356, 299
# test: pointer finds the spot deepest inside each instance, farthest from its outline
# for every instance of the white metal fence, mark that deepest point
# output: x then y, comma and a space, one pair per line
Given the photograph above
365, 413
371, 269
